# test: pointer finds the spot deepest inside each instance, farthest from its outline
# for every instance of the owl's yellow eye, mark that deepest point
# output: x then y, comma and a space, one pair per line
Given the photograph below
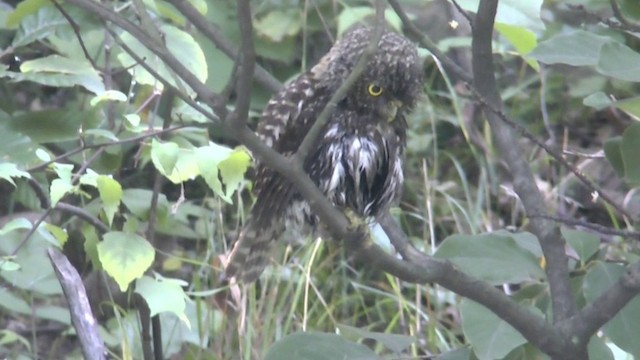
375, 90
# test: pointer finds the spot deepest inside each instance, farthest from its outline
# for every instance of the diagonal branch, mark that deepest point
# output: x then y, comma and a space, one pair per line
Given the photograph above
564, 305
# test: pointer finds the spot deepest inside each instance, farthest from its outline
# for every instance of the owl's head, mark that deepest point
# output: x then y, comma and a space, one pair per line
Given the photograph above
392, 79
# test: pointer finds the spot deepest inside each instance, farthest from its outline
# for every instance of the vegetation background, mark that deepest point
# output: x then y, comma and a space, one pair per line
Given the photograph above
125, 145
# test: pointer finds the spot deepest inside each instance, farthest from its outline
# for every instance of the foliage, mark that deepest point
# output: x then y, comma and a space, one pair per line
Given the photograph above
144, 193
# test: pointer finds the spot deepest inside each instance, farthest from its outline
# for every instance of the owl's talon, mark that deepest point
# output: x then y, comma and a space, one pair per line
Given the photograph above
356, 223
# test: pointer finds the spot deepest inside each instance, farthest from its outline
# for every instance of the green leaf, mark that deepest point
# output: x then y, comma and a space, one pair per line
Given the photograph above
357, 14
39, 25
8, 265
138, 202
182, 46
59, 233
613, 153
55, 70
318, 346
108, 95
598, 349
125, 257
522, 39
631, 106
598, 101
458, 354
8, 171
278, 24
630, 148
495, 258
24, 9
50, 126
59, 188
232, 170
110, 193
585, 244
490, 336
513, 12
164, 156
578, 49
619, 61
394, 342
16, 224
624, 327
163, 295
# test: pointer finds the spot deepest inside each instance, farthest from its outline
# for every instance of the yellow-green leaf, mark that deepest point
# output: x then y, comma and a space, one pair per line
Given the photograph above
125, 257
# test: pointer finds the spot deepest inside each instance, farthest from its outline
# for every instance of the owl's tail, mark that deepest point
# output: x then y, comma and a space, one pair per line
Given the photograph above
250, 253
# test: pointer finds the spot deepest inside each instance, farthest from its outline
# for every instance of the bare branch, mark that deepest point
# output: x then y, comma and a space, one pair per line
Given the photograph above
81, 316
248, 60
590, 318
424, 40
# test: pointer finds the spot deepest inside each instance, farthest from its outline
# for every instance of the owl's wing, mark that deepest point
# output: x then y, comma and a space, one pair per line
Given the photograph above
285, 121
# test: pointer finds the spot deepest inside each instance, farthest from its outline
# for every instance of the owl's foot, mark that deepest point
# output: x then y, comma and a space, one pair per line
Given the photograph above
356, 223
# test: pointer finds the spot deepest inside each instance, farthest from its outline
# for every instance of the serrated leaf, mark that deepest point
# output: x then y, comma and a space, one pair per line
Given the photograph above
163, 296
624, 327
125, 257
59, 233
8, 171
521, 38
630, 148
585, 244
278, 24
579, 48
110, 193
164, 156
59, 188
232, 170
494, 258
318, 346
490, 336
183, 47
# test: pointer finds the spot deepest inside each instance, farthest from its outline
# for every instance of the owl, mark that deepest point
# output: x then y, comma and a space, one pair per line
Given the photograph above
356, 161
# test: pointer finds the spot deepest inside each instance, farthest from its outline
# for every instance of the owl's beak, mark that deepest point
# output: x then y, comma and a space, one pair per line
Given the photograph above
394, 105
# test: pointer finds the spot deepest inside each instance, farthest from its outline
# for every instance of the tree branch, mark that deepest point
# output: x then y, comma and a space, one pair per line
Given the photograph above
247, 64
564, 305
590, 318
426, 42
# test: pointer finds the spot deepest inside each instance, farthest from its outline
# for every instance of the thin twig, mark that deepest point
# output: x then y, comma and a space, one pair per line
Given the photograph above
76, 31
554, 154
426, 42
